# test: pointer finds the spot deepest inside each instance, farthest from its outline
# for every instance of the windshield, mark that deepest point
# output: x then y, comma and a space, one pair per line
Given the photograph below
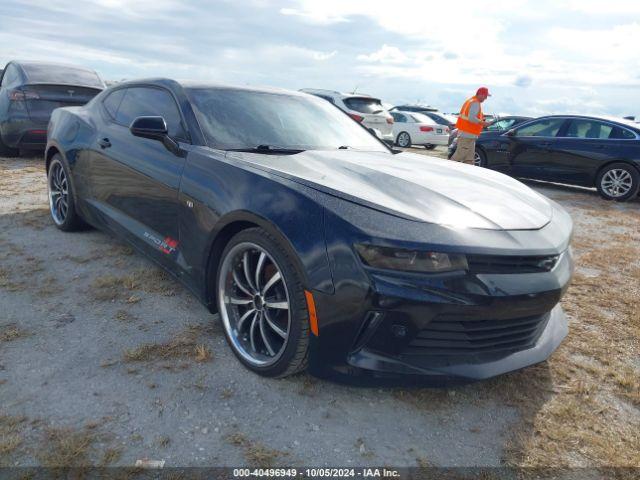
244, 119
59, 74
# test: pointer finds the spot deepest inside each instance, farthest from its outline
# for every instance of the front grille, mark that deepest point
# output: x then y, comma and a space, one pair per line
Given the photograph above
511, 263
446, 336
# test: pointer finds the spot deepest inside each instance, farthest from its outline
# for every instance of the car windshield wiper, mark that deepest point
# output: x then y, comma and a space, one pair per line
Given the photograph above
267, 149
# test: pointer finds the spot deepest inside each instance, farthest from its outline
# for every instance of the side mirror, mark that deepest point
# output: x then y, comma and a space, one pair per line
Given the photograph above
511, 133
154, 128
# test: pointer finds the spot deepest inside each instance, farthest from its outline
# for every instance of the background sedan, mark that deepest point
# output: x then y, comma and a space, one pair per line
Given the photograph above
590, 151
410, 128
30, 91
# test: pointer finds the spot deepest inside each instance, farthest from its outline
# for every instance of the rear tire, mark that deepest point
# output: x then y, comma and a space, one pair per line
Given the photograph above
403, 140
7, 151
619, 182
61, 197
266, 322
429, 146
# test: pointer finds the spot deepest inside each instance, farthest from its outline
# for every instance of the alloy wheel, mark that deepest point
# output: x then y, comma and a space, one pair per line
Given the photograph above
616, 182
58, 193
404, 140
254, 304
477, 161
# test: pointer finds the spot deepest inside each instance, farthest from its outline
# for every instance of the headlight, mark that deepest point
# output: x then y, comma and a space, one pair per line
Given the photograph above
410, 260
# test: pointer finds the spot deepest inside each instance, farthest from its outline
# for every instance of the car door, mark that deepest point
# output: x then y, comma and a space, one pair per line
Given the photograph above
532, 146
400, 124
586, 145
135, 181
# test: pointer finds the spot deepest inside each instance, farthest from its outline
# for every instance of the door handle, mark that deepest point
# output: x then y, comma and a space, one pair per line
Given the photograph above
104, 143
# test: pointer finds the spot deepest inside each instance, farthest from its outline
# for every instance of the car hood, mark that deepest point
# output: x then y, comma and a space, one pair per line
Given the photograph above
413, 186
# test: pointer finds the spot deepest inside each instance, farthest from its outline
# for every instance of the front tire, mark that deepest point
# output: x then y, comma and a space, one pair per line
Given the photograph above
429, 146
403, 140
61, 197
618, 181
479, 158
262, 305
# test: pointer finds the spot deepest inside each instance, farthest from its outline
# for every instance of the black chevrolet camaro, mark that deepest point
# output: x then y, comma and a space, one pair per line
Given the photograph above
589, 151
319, 246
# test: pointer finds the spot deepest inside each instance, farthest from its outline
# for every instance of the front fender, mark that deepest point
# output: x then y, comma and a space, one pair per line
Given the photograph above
218, 197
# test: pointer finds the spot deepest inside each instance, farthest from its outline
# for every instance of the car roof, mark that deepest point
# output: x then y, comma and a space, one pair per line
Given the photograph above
417, 105
606, 118
197, 84
35, 63
335, 93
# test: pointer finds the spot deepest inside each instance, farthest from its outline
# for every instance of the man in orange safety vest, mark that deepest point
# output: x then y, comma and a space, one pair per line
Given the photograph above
470, 123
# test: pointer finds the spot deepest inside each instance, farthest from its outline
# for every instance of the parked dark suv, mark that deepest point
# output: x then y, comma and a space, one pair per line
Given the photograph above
30, 91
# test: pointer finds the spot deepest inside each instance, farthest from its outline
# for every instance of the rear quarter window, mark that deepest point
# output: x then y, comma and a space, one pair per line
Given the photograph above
622, 133
11, 77
112, 102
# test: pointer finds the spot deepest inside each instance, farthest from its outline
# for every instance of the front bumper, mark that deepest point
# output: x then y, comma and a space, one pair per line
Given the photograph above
452, 329
384, 326
457, 372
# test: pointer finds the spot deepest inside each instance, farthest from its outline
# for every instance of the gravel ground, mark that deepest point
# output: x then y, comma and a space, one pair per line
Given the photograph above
75, 310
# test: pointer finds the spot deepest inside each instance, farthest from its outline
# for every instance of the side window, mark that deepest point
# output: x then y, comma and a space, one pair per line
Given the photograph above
500, 125
11, 77
547, 127
398, 117
622, 133
506, 124
112, 102
149, 101
589, 129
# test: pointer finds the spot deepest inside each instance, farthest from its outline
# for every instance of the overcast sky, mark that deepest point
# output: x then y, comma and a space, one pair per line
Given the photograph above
537, 57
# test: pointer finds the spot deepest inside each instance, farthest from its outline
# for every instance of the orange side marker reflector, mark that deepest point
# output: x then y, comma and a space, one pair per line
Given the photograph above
313, 318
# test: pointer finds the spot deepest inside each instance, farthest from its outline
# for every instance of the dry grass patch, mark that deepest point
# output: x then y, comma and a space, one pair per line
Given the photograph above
203, 353
121, 287
66, 447
9, 333
10, 433
24, 273
583, 407
256, 454
110, 456
37, 219
124, 316
227, 393
184, 345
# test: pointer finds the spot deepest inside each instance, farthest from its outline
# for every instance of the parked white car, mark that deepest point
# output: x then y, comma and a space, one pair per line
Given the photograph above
362, 108
411, 128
